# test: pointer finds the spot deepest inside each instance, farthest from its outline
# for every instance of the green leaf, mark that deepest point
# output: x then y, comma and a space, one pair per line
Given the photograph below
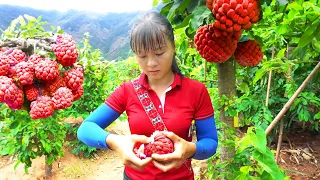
22, 21
316, 44
303, 114
155, 2
165, 10
259, 140
242, 176
243, 143
309, 34
199, 13
317, 116
178, 5
282, 29
30, 18
299, 1
184, 23
25, 141
184, 47
14, 124
282, 2
244, 38
244, 87
267, 163
259, 74
295, 6
167, 1
281, 53
16, 165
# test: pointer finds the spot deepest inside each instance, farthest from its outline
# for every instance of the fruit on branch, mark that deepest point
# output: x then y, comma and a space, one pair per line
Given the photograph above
158, 144
43, 107
25, 72
78, 93
5, 83
31, 92
248, 53
17, 54
233, 15
213, 48
9, 58
209, 4
65, 50
35, 59
39, 80
74, 77
14, 97
4, 65
10, 93
53, 86
62, 98
47, 70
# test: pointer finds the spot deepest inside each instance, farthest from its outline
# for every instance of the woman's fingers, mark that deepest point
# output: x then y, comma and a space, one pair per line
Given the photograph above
172, 136
167, 157
141, 164
133, 161
139, 138
167, 166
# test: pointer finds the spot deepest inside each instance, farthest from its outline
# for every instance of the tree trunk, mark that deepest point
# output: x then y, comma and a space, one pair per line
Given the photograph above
226, 85
48, 170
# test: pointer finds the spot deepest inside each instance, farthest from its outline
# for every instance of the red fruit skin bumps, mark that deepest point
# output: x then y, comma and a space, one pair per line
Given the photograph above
47, 70
62, 98
213, 48
74, 78
248, 53
159, 144
40, 84
65, 50
25, 72
43, 107
242, 13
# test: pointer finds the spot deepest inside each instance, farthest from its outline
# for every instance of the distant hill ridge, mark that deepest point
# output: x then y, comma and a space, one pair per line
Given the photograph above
109, 32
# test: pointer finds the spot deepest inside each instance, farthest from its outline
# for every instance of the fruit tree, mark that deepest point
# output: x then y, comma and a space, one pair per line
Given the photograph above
39, 76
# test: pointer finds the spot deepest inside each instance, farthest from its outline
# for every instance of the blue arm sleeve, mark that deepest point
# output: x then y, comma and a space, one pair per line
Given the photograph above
207, 138
91, 131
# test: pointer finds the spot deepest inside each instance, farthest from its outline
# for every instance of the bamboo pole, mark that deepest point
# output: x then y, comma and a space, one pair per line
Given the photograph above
279, 141
281, 122
269, 81
290, 102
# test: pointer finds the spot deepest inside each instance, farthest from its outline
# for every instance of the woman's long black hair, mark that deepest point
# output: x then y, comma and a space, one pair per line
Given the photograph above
150, 32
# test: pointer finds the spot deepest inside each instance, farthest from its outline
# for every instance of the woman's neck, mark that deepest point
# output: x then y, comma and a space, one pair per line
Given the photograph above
164, 82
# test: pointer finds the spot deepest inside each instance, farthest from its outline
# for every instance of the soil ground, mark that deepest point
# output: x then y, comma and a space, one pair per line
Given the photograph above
300, 156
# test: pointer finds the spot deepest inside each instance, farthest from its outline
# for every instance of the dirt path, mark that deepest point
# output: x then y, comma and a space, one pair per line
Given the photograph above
104, 164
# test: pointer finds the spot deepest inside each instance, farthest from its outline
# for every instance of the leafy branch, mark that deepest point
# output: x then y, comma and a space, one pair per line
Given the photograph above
21, 43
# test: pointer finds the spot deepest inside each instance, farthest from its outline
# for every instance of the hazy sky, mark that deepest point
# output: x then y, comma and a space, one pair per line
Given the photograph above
100, 6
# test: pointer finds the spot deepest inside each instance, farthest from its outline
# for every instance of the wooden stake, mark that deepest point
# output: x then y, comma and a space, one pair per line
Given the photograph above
279, 141
48, 170
269, 81
290, 102
281, 122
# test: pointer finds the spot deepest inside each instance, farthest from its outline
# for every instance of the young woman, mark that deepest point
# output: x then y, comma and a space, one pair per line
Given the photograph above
177, 99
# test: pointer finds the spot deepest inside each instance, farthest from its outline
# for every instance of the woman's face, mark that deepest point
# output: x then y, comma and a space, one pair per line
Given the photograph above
156, 64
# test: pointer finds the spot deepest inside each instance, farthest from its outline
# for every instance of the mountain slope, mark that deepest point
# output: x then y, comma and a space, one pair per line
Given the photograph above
108, 32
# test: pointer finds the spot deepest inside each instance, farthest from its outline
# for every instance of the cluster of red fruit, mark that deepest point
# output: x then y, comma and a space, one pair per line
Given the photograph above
217, 42
39, 82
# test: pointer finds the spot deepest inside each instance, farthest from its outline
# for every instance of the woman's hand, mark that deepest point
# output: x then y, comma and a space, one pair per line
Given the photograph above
123, 145
182, 151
